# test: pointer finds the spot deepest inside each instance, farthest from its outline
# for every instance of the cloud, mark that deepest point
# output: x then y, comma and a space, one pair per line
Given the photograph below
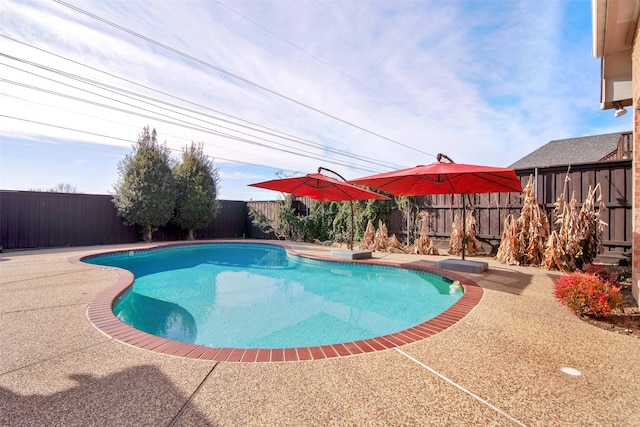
484, 84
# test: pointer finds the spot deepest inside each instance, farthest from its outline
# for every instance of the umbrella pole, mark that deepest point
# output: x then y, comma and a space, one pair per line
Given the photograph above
464, 226
408, 223
351, 242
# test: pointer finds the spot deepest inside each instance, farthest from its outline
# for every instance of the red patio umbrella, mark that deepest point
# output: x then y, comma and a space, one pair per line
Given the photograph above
323, 188
445, 178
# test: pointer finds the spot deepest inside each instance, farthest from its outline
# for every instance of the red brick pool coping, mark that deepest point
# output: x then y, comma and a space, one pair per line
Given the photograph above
100, 313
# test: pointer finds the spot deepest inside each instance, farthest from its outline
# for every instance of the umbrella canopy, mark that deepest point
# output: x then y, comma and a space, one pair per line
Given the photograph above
444, 178
319, 187
323, 188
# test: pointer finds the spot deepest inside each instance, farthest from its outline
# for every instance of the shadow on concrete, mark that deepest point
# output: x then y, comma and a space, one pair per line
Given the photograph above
505, 280
137, 396
496, 278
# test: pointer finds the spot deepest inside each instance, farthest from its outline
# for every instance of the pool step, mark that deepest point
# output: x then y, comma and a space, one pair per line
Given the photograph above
351, 254
477, 267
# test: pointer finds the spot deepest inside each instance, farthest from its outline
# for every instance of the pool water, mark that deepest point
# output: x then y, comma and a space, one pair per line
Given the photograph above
260, 296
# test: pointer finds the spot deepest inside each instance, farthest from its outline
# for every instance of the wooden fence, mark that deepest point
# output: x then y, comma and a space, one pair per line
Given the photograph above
269, 209
489, 210
615, 180
39, 220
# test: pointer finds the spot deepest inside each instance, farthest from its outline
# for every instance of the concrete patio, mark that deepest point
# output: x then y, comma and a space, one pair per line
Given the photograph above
498, 366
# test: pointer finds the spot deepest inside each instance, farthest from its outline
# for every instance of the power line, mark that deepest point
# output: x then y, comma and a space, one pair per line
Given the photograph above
128, 140
147, 110
305, 52
58, 108
186, 126
277, 133
144, 99
65, 128
233, 75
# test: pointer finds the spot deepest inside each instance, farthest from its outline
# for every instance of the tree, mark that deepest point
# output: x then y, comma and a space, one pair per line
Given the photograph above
327, 220
197, 188
63, 188
60, 188
284, 222
145, 193
374, 210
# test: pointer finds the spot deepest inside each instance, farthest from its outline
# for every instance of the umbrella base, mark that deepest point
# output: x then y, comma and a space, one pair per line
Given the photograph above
351, 254
477, 267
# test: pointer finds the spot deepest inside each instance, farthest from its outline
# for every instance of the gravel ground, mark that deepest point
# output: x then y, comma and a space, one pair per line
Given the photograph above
503, 364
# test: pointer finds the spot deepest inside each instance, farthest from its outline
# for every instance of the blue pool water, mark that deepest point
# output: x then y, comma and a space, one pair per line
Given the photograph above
259, 296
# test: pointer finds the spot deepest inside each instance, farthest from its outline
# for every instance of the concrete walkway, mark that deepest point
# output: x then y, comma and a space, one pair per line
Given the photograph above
500, 365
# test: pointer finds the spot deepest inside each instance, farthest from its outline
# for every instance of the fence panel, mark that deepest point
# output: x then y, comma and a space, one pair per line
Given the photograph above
268, 208
490, 210
40, 220
230, 222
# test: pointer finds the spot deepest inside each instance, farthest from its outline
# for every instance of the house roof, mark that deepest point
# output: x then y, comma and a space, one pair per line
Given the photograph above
614, 24
586, 149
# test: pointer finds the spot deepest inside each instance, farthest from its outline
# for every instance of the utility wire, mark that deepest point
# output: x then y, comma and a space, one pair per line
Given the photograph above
140, 84
235, 76
65, 128
209, 144
277, 132
128, 140
152, 101
305, 52
161, 114
59, 108
187, 126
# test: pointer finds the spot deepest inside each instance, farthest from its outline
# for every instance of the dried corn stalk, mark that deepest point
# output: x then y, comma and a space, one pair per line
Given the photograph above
578, 238
423, 245
509, 250
593, 230
523, 239
563, 248
455, 242
368, 240
396, 246
473, 245
381, 241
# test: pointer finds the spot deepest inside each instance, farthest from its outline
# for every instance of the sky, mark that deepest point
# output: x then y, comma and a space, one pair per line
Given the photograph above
280, 88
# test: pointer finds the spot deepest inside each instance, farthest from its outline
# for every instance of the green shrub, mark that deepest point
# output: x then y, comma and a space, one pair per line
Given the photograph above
587, 294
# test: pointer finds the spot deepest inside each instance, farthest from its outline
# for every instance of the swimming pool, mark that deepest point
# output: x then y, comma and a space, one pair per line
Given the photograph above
259, 296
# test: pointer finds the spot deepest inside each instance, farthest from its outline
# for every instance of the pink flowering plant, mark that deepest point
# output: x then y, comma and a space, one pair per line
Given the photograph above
587, 294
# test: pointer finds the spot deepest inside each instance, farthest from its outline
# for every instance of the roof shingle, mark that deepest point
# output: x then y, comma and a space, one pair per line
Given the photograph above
586, 149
